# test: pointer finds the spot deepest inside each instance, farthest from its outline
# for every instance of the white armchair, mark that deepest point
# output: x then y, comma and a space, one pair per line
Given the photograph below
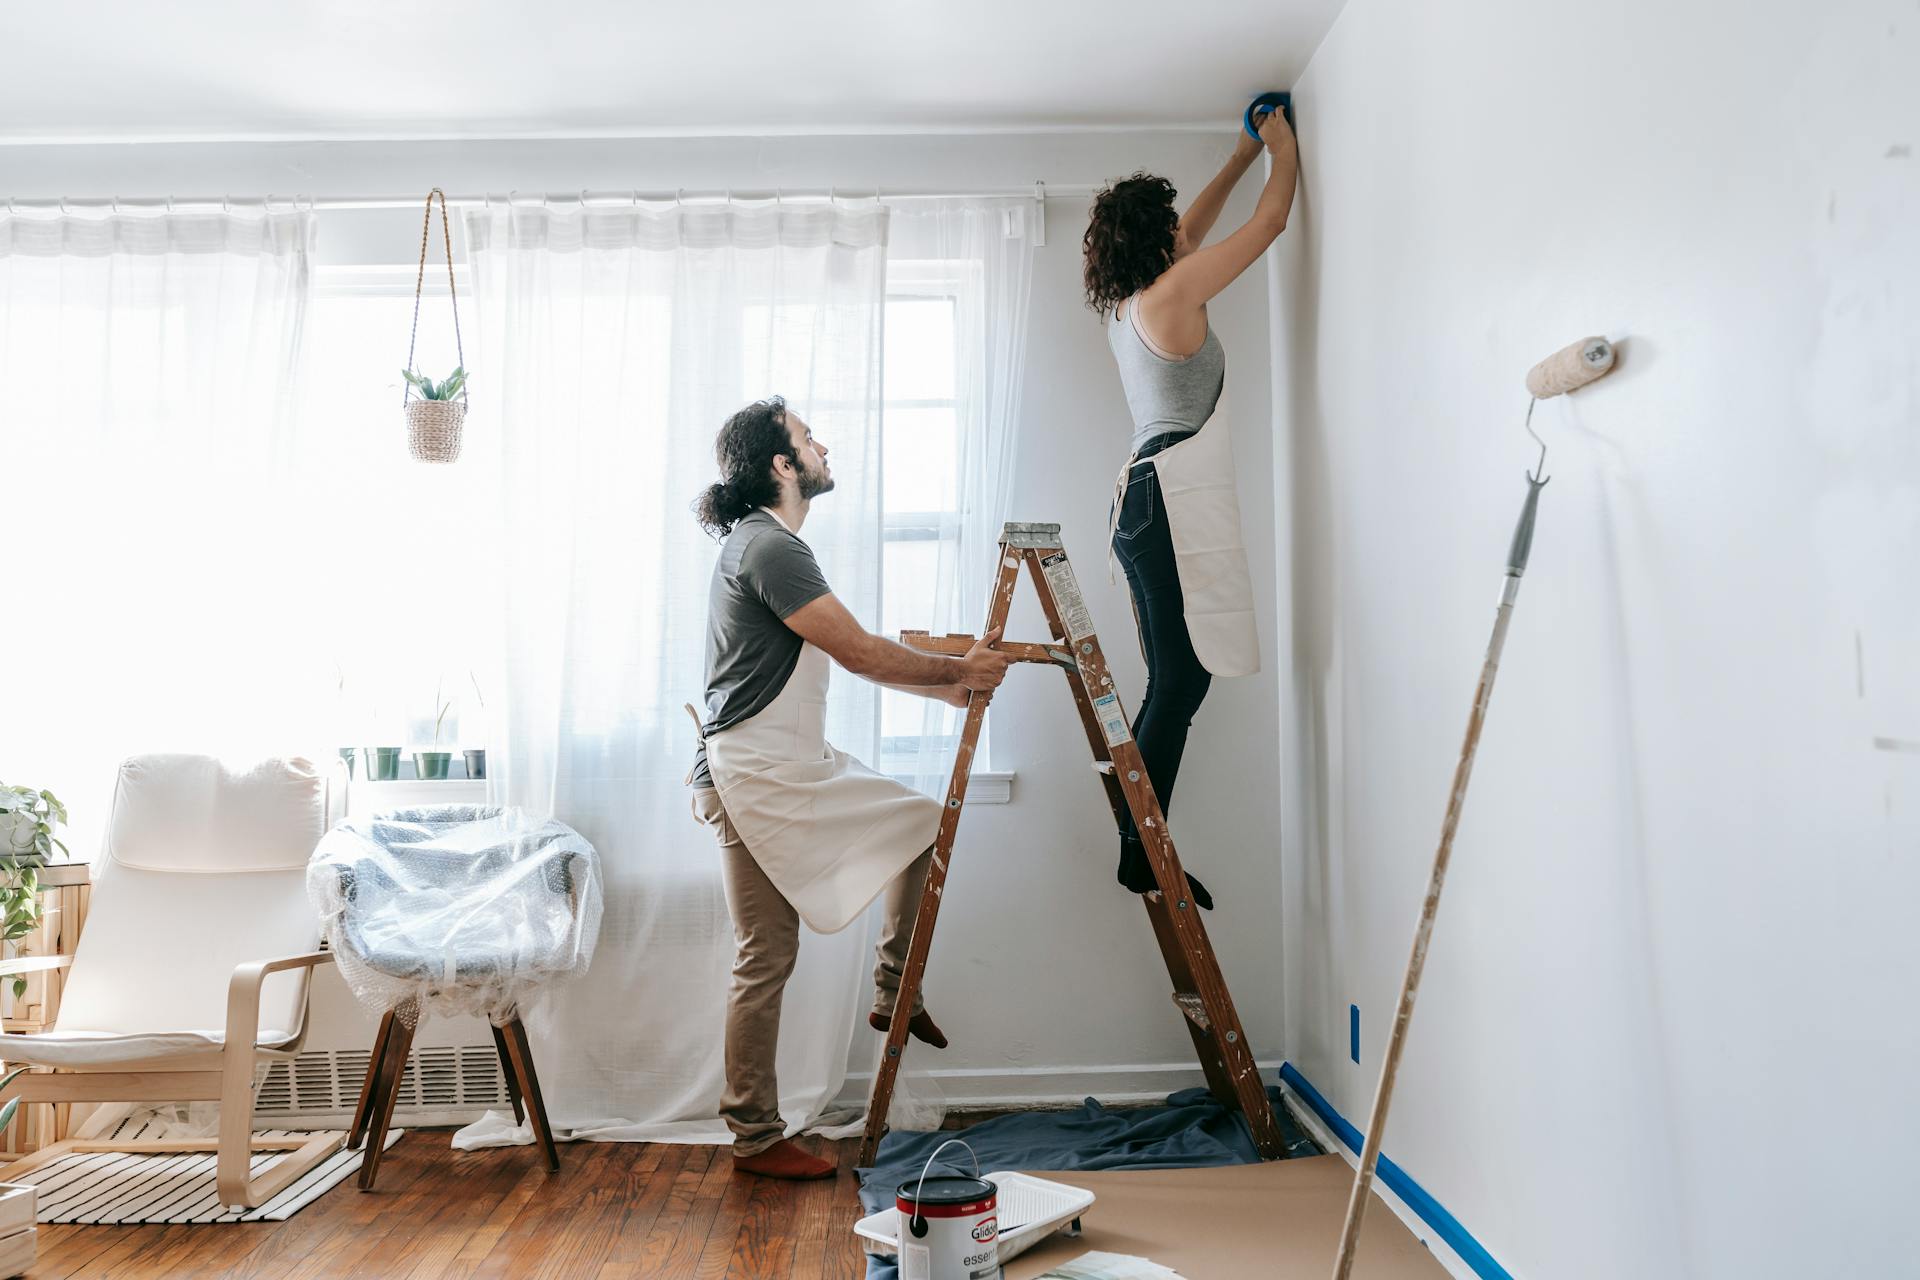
194, 965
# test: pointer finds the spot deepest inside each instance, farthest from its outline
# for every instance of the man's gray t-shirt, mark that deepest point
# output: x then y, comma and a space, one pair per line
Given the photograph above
764, 575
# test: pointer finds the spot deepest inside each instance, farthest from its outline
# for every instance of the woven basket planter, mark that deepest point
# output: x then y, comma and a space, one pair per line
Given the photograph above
433, 429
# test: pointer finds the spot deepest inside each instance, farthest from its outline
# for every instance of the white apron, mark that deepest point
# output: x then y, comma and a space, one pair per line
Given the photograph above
828, 831
1203, 511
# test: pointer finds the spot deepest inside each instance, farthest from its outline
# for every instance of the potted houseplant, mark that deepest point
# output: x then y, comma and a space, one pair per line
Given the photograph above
434, 420
477, 756
435, 762
27, 842
360, 713
383, 763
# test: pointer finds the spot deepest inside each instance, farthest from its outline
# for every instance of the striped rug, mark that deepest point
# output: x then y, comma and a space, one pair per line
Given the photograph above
104, 1187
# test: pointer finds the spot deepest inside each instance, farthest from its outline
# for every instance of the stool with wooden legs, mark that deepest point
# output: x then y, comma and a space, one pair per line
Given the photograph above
386, 1069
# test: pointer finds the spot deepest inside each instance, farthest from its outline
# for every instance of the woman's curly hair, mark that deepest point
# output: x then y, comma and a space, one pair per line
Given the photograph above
1129, 239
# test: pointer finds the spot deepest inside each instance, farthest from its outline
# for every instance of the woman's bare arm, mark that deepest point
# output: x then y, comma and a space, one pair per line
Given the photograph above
1205, 209
1189, 284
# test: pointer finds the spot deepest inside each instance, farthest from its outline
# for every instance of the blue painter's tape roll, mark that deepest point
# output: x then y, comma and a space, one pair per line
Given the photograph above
1266, 104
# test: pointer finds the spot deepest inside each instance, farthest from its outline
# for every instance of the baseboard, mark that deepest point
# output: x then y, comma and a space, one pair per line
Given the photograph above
1409, 1198
986, 1088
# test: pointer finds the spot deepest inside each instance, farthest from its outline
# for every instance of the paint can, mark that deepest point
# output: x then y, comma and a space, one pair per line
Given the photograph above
949, 1226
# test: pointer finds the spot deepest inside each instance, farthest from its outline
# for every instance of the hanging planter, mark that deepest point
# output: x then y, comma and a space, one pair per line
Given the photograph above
435, 417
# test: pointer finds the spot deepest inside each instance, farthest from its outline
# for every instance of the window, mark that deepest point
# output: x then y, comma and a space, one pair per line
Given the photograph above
920, 499
414, 533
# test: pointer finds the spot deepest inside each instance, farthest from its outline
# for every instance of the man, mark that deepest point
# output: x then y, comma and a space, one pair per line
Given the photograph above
806, 832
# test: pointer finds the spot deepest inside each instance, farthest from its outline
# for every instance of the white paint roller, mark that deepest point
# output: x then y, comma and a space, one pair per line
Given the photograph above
1567, 369
1570, 368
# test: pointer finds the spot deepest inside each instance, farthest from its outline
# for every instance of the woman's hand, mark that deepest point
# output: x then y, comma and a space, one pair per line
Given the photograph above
1245, 149
1275, 134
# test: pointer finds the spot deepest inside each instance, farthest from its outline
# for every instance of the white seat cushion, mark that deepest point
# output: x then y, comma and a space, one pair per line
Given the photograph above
93, 1050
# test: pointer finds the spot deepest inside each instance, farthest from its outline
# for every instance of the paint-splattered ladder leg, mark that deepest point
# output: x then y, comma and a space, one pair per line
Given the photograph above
923, 921
1200, 990
1205, 1047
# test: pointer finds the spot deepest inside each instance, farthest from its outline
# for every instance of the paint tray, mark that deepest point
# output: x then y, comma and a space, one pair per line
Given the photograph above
1031, 1209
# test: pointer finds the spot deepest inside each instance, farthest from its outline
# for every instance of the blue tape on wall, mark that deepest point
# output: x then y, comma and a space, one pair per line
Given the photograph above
1429, 1210
1353, 1031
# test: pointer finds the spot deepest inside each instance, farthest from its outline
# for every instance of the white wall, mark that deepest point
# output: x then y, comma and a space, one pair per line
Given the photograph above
1045, 974
1668, 1024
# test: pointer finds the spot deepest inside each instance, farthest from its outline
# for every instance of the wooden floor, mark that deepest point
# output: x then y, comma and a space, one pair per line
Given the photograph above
615, 1211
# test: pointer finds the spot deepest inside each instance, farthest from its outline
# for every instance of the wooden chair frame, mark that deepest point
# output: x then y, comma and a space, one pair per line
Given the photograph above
387, 1065
224, 1075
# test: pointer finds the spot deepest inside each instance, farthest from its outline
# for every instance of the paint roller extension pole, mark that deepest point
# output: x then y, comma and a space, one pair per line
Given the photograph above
1410, 986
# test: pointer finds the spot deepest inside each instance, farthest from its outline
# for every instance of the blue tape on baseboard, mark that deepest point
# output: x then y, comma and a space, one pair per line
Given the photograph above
1429, 1210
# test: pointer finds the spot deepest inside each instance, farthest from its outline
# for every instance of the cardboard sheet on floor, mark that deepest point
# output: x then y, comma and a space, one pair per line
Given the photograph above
1241, 1222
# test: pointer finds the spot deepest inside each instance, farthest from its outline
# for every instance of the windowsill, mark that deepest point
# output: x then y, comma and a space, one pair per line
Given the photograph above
984, 786
409, 793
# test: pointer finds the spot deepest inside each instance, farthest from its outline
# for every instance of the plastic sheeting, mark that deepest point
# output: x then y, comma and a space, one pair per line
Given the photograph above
456, 909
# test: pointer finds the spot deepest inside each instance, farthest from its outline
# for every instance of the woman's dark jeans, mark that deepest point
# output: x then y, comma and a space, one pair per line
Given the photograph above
1176, 682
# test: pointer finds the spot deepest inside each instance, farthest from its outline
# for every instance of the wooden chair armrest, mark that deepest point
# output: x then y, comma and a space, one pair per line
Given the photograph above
255, 970
33, 964
243, 992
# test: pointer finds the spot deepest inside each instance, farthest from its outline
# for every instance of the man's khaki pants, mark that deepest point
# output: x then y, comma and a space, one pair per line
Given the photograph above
766, 934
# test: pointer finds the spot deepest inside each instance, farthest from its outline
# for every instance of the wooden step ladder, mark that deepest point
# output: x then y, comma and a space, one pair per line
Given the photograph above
1199, 991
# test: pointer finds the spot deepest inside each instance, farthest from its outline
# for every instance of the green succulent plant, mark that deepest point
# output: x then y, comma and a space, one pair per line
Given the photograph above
430, 390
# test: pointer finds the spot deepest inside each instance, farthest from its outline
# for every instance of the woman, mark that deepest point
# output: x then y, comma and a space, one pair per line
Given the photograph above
1148, 277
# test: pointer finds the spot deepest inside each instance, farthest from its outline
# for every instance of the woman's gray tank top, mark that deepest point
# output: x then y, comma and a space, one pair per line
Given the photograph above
1164, 393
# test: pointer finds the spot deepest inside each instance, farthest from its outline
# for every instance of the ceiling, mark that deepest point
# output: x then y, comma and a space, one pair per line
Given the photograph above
223, 69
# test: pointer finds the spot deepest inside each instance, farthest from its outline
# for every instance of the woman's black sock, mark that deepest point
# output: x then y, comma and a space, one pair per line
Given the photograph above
1136, 873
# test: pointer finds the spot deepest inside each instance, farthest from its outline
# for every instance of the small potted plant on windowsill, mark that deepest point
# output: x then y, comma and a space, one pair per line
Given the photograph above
383, 763
434, 763
477, 756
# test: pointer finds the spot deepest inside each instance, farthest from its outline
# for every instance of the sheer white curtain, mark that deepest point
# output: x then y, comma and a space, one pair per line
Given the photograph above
982, 252
615, 341
158, 580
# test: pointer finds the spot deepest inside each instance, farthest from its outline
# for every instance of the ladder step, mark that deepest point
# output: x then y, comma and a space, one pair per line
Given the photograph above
1194, 1007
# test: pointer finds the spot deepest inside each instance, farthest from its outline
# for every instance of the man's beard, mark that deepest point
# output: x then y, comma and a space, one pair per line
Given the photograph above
814, 483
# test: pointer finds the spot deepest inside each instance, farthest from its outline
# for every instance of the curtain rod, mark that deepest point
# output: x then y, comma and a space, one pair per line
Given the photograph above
1039, 191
